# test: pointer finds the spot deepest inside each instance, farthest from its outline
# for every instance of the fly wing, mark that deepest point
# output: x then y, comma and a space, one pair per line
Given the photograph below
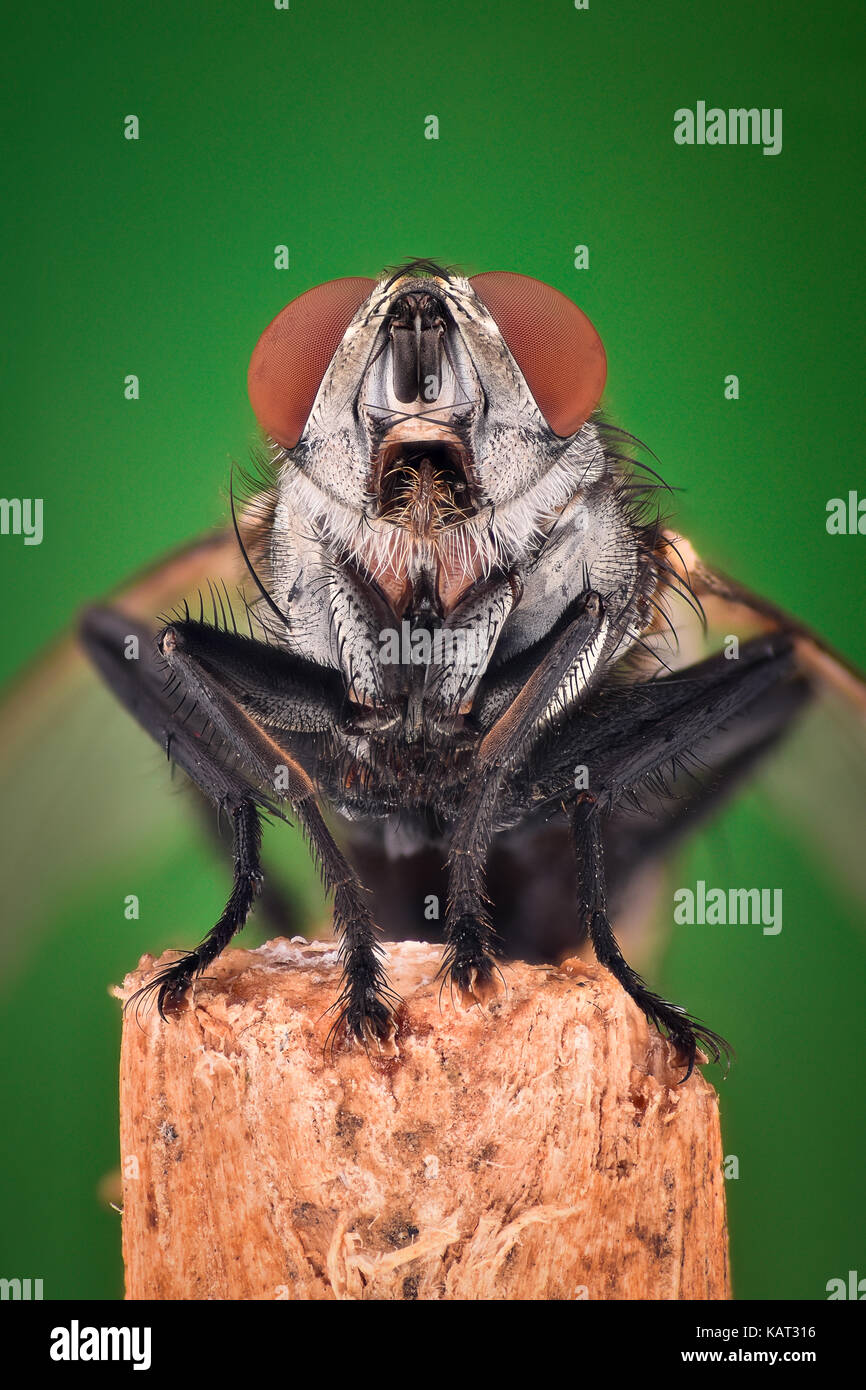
728, 603
79, 786
805, 756
38, 699
817, 781
214, 556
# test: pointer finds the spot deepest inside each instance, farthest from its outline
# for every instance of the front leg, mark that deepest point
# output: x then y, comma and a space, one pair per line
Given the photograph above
202, 718
575, 657
366, 1003
468, 638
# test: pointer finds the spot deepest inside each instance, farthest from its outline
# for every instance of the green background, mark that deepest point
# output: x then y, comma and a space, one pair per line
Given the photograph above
306, 127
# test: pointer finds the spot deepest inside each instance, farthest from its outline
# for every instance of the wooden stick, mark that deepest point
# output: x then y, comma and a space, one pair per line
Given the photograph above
541, 1149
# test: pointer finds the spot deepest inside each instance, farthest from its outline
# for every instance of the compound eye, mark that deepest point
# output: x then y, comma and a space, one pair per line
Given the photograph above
553, 343
294, 352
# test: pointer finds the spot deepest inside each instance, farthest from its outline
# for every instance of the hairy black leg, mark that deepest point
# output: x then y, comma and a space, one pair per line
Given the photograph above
200, 722
684, 1031
624, 739
125, 653
634, 836
366, 1004
170, 984
273, 686
647, 821
275, 905
627, 741
471, 944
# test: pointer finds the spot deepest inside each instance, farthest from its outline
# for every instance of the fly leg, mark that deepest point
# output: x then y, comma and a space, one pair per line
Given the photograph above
471, 944
709, 717
275, 905
684, 1031
199, 717
627, 741
171, 984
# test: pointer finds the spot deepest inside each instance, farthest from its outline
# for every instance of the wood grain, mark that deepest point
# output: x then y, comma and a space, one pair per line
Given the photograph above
540, 1149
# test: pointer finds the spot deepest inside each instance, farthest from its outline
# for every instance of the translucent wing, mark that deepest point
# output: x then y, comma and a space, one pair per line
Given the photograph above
817, 784
84, 795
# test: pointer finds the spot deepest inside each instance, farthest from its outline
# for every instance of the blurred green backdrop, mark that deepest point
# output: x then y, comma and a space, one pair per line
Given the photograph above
305, 127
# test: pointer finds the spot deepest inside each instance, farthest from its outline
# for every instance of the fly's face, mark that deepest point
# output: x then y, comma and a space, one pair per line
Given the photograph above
420, 401
425, 424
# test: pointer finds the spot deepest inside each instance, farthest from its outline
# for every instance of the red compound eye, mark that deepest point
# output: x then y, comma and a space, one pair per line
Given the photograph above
553, 343
293, 354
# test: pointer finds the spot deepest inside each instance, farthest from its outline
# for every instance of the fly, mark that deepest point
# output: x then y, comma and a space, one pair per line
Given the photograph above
461, 585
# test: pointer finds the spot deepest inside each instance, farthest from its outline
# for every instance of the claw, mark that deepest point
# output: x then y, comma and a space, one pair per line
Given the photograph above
168, 986
385, 1042
479, 989
476, 982
371, 1023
